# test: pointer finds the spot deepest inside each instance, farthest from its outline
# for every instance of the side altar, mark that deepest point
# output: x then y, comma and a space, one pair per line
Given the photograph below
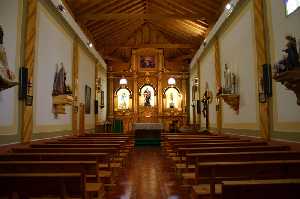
147, 133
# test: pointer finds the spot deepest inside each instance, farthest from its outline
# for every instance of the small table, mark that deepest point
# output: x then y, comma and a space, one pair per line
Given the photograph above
147, 133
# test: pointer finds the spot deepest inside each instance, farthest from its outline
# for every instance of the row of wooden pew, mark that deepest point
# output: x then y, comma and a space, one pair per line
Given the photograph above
81, 167
216, 166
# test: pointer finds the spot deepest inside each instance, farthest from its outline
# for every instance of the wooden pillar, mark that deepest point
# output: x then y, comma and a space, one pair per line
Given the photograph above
29, 53
95, 94
159, 83
81, 119
198, 89
135, 86
261, 58
111, 97
218, 83
75, 88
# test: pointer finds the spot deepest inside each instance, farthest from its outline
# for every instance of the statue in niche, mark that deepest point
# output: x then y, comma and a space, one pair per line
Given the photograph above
171, 104
123, 101
290, 58
7, 77
59, 85
147, 97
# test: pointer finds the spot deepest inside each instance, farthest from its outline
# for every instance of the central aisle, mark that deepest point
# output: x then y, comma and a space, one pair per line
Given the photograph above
147, 177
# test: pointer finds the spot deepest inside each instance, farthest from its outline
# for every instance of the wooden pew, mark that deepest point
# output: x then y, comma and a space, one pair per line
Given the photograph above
261, 189
75, 145
101, 157
216, 172
190, 145
26, 185
64, 167
182, 151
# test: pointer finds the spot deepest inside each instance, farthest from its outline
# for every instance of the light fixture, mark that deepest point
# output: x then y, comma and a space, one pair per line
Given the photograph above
123, 81
228, 6
90, 44
171, 81
61, 8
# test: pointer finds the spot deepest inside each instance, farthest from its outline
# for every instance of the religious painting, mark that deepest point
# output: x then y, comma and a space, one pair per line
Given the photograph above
147, 96
147, 62
87, 99
123, 99
173, 98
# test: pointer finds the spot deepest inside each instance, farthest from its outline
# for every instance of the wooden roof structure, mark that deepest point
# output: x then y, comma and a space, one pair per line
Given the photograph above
117, 26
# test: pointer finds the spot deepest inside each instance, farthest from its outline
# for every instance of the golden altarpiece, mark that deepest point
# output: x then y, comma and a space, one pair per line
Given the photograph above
147, 97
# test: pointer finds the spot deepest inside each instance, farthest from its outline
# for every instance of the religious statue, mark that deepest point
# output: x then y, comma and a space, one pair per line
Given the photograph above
7, 77
171, 101
123, 101
147, 97
59, 85
290, 59
206, 100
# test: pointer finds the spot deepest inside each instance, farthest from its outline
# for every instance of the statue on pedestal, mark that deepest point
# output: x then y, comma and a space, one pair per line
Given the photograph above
7, 77
290, 59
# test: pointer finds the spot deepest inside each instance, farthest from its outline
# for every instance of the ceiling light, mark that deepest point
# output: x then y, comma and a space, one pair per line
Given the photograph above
90, 44
228, 6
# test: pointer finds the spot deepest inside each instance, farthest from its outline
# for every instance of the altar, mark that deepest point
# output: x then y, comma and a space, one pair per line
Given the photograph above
147, 133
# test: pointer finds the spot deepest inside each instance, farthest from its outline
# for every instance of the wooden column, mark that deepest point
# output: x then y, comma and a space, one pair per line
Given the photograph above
261, 58
135, 85
159, 83
198, 89
75, 88
111, 97
95, 95
29, 48
218, 83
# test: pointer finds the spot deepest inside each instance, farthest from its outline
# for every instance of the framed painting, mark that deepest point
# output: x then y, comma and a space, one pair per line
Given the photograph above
87, 99
147, 62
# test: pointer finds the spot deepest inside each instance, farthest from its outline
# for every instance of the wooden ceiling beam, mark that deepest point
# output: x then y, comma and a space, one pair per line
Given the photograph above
122, 16
164, 45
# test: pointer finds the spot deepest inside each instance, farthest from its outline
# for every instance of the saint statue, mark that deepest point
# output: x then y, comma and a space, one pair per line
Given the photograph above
7, 77
290, 59
147, 97
171, 101
59, 85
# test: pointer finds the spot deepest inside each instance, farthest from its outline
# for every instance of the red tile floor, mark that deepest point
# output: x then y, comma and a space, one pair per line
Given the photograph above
149, 176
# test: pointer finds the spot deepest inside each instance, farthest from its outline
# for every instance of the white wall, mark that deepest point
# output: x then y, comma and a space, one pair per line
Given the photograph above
10, 20
286, 111
86, 74
237, 50
53, 46
207, 74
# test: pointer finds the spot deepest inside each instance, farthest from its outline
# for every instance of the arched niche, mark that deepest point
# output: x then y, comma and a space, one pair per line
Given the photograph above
147, 95
172, 98
123, 99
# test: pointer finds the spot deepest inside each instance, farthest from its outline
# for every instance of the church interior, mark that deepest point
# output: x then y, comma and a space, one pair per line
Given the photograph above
150, 99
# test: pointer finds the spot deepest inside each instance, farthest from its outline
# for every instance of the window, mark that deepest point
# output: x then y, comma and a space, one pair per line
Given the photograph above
291, 6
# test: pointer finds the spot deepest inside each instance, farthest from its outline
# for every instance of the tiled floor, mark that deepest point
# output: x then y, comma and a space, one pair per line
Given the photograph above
148, 177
